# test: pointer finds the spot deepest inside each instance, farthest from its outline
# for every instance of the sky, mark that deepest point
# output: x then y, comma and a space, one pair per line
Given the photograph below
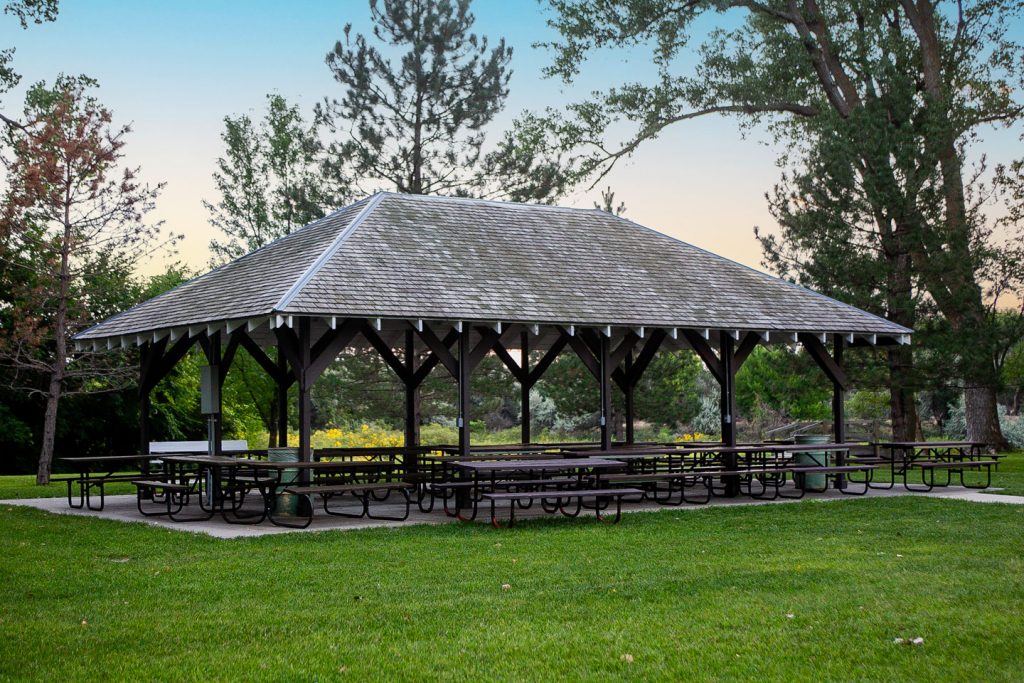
175, 69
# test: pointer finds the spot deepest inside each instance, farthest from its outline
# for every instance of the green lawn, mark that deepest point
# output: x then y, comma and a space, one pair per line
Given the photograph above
805, 591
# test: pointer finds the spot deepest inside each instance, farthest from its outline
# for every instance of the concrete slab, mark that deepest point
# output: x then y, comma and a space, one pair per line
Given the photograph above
123, 509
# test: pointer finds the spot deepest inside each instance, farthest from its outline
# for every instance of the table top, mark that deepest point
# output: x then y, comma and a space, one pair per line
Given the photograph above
929, 444
555, 464
321, 465
205, 459
488, 457
101, 459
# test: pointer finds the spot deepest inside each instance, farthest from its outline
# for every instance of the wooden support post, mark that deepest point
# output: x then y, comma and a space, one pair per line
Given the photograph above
464, 374
213, 424
145, 361
728, 409
305, 402
282, 382
412, 394
604, 364
525, 385
838, 408
628, 391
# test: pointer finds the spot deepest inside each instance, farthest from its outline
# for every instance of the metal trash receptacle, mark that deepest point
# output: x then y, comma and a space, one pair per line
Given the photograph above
812, 459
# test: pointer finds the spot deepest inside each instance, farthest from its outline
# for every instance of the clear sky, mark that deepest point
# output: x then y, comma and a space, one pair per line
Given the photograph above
175, 69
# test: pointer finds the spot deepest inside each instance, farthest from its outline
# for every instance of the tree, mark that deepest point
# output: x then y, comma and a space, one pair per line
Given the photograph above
417, 124
271, 180
26, 11
71, 216
905, 85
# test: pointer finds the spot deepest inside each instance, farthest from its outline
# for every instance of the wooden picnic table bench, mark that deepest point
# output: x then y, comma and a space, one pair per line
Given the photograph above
96, 471
558, 496
685, 479
362, 491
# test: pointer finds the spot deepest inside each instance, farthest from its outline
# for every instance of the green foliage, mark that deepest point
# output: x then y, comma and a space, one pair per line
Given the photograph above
776, 381
272, 179
416, 123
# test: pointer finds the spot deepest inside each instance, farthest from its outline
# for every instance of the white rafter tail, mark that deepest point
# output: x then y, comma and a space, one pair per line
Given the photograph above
822, 337
735, 334
457, 326
232, 325
110, 343
378, 324
673, 332
196, 330
571, 330
535, 329
254, 324
497, 327
872, 339
793, 337
95, 345
706, 334
176, 333
607, 331
418, 324
159, 334
904, 339
212, 329
126, 341
140, 340
849, 337
332, 322
765, 335
640, 331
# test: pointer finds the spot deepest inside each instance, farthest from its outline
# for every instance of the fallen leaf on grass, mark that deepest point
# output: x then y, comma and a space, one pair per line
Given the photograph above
627, 658
506, 586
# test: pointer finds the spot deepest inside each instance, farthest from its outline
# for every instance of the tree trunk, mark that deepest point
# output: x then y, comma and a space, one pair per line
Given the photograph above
906, 426
982, 416
60, 350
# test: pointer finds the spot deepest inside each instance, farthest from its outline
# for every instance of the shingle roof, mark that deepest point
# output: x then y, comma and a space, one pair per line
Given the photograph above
438, 258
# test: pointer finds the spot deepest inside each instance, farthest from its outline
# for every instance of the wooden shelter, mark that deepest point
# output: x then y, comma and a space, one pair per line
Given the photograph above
438, 281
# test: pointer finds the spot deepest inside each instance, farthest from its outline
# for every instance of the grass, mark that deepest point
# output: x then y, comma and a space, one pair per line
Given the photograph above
701, 594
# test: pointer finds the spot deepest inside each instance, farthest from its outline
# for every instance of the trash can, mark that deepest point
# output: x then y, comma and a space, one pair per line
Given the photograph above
812, 459
286, 504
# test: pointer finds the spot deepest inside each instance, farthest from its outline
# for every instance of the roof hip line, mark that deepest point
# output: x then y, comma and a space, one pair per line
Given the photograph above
317, 264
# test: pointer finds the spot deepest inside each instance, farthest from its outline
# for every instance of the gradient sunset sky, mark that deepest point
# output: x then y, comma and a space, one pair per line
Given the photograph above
175, 69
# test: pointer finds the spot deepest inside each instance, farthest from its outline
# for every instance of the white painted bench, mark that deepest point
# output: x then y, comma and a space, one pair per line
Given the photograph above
226, 446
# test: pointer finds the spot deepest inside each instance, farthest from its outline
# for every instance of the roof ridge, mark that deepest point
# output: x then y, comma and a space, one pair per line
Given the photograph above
327, 253
490, 202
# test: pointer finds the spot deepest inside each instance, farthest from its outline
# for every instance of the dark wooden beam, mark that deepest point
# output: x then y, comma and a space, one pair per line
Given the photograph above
821, 356
524, 382
545, 362
605, 368
646, 355
703, 349
288, 344
164, 364
522, 376
433, 360
386, 354
728, 410
330, 345
579, 345
439, 349
412, 399
257, 354
488, 338
228, 357
306, 379
747, 345
464, 374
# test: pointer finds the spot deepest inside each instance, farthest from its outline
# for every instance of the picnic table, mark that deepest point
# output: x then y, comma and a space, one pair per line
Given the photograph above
480, 479
95, 471
951, 457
